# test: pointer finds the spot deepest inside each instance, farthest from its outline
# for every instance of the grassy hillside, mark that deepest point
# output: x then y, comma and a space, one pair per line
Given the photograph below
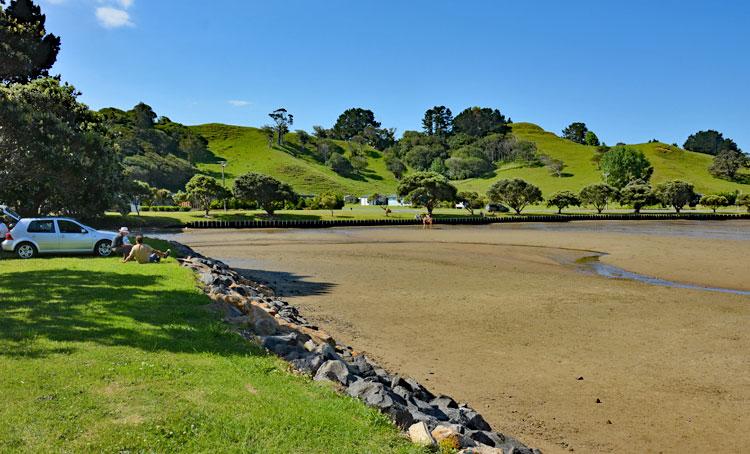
246, 149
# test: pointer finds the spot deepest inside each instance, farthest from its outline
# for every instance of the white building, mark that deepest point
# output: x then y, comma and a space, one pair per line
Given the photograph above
392, 201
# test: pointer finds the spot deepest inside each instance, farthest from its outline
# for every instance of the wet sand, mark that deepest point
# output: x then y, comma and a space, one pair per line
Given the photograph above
500, 317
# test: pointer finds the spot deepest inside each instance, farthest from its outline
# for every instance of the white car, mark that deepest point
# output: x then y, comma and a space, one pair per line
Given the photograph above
33, 236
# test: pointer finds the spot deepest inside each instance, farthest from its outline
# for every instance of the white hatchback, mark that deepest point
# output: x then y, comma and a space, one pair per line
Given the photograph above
33, 236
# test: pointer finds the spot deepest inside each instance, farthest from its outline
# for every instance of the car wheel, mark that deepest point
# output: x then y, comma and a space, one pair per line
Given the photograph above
26, 251
103, 248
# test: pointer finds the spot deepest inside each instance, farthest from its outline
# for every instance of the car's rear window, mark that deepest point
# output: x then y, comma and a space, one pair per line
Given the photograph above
41, 227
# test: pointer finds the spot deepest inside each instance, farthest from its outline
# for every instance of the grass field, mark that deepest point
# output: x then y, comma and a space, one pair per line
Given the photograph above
98, 356
246, 150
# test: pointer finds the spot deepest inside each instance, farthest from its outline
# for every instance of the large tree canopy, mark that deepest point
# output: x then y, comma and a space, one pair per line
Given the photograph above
709, 142
426, 189
353, 122
268, 192
27, 51
438, 121
516, 193
576, 132
53, 153
622, 165
676, 194
480, 121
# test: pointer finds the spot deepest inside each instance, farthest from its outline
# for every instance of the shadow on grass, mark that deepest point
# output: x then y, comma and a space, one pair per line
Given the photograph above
106, 308
287, 284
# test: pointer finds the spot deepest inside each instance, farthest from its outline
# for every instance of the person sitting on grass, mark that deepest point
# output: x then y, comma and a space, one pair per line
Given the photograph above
143, 253
121, 244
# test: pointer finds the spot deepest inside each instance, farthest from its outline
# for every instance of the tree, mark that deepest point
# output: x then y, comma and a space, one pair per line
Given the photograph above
269, 132
303, 137
353, 122
203, 190
283, 121
591, 139
27, 51
598, 195
675, 193
622, 165
471, 200
54, 156
195, 147
480, 122
438, 121
637, 194
714, 201
576, 132
395, 165
562, 200
743, 200
438, 166
328, 201
516, 193
269, 193
144, 116
554, 166
359, 163
727, 163
709, 142
421, 157
340, 164
426, 189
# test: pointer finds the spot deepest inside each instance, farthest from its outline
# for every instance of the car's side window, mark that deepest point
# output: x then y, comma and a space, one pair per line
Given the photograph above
70, 227
41, 227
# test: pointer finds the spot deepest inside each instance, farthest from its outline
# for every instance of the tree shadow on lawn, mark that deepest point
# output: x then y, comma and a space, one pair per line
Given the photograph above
287, 284
109, 309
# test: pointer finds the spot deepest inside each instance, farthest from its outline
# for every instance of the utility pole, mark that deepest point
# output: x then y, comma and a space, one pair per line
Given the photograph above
223, 184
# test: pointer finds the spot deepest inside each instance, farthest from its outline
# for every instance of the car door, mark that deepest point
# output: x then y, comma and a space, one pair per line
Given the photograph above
74, 237
44, 234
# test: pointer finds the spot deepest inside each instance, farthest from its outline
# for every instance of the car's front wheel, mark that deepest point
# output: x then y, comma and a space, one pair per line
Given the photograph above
103, 248
26, 251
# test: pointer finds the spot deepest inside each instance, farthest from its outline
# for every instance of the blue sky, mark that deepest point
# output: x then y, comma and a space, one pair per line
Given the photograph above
632, 70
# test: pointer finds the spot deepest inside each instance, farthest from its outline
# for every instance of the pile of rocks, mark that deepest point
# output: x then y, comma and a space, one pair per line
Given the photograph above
279, 327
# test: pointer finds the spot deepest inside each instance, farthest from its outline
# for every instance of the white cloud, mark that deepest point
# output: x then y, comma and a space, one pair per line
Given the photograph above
238, 103
126, 3
113, 18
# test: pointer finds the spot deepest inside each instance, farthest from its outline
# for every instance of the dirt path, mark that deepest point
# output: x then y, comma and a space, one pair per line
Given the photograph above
495, 316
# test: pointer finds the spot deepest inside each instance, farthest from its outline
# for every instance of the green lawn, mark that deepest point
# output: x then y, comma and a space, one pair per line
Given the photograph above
103, 357
246, 150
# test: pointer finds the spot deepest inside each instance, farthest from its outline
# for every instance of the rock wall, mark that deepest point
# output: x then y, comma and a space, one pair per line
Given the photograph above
260, 317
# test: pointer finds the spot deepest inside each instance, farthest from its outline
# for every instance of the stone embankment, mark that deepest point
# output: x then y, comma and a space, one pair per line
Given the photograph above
428, 419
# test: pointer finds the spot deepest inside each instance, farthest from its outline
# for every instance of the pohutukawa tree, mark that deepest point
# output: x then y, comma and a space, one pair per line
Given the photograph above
203, 190
676, 194
622, 165
637, 194
426, 189
480, 122
283, 120
598, 195
714, 201
268, 192
516, 193
562, 200
471, 200
27, 51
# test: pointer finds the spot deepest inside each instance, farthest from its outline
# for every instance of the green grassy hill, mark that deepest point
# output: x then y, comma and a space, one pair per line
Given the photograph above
246, 150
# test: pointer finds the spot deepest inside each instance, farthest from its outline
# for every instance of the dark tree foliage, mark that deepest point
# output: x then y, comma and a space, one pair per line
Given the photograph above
591, 139
576, 132
203, 190
268, 192
637, 194
339, 164
562, 200
676, 194
426, 189
421, 157
471, 200
54, 156
727, 163
394, 165
480, 121
27, 51
161, 154
709, 142
283, 121
438, 121
353, 122
516, 193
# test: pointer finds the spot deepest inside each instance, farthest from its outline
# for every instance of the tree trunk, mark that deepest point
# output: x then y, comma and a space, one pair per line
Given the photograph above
559, 210
677, 209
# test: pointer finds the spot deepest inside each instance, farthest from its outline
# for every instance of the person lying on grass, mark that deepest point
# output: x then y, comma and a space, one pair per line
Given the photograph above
143, 253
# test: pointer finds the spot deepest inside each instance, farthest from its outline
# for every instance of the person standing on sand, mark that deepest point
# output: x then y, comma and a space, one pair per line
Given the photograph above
143, 253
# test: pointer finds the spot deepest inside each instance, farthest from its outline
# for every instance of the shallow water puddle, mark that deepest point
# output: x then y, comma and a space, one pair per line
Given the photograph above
592, 264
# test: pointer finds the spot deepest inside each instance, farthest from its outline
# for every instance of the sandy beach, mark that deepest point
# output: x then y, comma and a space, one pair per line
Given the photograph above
504, 318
